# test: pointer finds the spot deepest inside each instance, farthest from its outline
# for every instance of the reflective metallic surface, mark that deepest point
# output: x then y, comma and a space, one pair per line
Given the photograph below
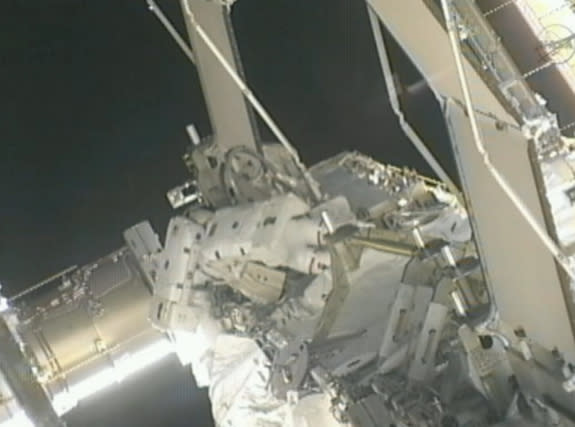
89, 329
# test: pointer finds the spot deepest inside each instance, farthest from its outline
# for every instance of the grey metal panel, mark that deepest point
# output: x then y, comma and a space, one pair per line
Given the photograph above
521, 273
335, 180
523, 276
231, 118
410, 20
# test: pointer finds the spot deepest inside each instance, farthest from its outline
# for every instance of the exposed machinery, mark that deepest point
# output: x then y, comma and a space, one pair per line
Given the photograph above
347, 293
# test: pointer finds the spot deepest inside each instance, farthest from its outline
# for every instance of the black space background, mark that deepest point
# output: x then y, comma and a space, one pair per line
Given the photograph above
94, 99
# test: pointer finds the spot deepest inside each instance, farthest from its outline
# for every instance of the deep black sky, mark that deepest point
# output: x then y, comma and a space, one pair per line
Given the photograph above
94, 98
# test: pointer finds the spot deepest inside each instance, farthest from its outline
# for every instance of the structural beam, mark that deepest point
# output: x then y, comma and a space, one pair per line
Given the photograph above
521, 273
233, 122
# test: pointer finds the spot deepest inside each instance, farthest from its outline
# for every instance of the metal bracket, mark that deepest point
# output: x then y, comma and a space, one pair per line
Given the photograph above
184, 194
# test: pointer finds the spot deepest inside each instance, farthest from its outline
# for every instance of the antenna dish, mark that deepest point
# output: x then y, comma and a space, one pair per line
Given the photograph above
557, 43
